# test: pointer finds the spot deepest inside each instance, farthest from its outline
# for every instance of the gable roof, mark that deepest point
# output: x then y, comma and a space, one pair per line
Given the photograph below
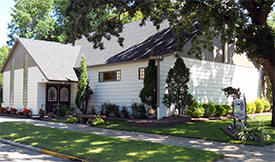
139, 43
55, 60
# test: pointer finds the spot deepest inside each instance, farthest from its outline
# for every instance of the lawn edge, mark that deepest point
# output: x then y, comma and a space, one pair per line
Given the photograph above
36, 149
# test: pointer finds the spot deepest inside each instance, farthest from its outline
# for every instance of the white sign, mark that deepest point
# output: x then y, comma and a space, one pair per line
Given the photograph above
239, 108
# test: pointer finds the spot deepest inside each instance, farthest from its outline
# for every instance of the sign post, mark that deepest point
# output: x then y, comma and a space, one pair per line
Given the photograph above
239, 110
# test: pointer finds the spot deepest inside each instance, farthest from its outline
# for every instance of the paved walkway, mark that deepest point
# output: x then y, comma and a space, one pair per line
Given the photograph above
18, 154
235, 152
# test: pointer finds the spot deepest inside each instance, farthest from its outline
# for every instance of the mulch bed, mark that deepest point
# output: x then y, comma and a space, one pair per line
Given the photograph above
153, 123
169, 121
230, 132
15, 115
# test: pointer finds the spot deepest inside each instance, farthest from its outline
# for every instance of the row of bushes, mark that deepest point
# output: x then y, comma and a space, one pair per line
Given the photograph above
208, 110
112, 110
258, 106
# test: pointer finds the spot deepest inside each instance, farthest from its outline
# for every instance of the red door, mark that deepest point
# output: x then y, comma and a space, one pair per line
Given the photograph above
57, 95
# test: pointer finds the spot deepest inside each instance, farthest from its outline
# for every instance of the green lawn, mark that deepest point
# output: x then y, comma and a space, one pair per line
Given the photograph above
204, 130
99, 148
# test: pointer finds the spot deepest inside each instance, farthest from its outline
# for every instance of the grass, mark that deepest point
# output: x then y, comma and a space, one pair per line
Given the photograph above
209, 130
99, 148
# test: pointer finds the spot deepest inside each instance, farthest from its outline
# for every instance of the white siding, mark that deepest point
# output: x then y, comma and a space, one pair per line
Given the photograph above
18, 88
73, 93
208, 78
6, 88
123, 92
36, 90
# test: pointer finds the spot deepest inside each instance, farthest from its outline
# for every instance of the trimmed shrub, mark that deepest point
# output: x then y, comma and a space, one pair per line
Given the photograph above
62, 111
109, 109
124, 112
266, 105
220, 110
139, 111
251, 108
210, 109
93, 111
228, 109
259, 105
195, 110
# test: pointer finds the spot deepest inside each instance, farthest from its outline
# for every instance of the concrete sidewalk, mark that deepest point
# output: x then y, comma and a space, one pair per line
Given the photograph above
235, 152
19, 154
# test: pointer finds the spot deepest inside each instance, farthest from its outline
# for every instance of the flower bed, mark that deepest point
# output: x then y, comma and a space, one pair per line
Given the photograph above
23, 113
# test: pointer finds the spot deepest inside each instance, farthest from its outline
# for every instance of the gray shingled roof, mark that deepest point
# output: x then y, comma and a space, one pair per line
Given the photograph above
139, 43
56, 60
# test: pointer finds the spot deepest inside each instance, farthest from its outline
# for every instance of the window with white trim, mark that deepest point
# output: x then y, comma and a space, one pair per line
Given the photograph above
109, 76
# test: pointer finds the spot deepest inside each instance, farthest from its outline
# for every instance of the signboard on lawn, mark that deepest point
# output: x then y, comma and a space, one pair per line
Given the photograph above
239, 109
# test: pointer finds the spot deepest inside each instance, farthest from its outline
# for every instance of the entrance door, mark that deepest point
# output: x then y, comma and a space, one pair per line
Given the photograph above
56, 96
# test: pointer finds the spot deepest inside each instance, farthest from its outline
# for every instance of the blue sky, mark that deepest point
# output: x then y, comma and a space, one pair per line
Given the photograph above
5, 11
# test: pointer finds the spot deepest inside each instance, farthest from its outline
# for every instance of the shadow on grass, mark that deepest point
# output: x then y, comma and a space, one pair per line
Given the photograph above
99, 148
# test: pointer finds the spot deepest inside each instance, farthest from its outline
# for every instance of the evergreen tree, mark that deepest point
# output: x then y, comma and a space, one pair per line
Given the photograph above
148, 93
84, 91
177, 87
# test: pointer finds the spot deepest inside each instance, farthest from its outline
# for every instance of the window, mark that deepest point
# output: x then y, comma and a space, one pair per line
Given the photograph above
64, 94
110, 76
141, 73
12, 82
25, 81
52, 94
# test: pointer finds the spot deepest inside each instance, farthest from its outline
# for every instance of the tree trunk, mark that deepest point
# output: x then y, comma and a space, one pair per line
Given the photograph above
273, 99
271, 72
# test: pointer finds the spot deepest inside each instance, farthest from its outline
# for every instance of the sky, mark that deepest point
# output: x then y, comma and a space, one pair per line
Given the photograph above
5, 11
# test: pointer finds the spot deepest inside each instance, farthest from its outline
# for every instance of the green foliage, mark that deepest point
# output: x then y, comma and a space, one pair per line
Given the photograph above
210, 109
93, 111
177, 79
251, 108
62, 111
254, 132
109, 109
71, 119
235, 22
148, 94
259, 105
139, 111
266, 104
4, 51
220, 110
96, 121
228, 109
195, 110
39, 19
84, 92
124, 112
41, 113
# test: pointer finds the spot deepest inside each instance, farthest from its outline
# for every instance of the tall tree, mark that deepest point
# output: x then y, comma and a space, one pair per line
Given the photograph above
243, 22
4, 51
177, 79
148, 94
84, 91
39, 19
